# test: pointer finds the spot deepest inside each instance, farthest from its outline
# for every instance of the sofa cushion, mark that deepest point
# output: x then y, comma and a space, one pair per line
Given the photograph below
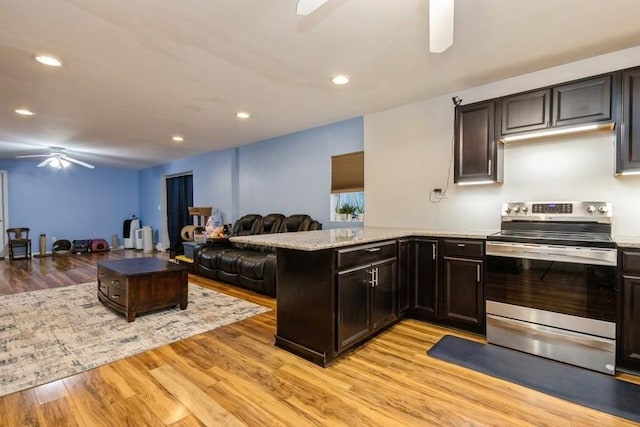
247, 225
251, 264
271, 223
298, 222
228, 260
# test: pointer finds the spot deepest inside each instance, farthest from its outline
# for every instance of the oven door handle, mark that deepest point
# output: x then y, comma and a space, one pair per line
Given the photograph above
550, 334
548, 253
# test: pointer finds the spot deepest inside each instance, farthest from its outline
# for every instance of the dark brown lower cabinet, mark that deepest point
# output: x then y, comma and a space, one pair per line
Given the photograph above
630, 356
366, 301
628, 319
329, 301
448, 284
405, 283
463, 298
425, 271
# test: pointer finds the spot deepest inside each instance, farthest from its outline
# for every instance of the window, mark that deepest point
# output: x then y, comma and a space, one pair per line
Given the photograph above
347, 187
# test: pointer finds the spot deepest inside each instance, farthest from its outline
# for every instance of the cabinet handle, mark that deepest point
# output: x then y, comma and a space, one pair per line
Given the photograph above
489, 168
372, 249
115, 282
372, 281
375, 277
434, 252
461, 245
478, 272
115, 296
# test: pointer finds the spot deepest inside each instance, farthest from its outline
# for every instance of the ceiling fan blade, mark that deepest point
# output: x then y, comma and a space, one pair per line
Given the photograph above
440, 25
77, 162
32, 155
45, 162
307, 7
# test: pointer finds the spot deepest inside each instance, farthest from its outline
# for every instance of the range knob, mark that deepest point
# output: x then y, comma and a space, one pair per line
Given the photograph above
525, 209
591, 209
603, 209
516, 209
508, 209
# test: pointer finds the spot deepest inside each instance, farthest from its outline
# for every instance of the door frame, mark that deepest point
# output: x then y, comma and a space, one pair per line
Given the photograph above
4, 210
166, 244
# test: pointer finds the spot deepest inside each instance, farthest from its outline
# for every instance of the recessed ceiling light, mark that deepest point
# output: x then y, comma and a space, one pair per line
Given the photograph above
340, 79
177, 138
242, 115
49, 60
25, 112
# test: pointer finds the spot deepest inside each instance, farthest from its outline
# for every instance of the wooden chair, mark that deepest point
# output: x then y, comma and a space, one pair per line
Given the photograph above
19, 238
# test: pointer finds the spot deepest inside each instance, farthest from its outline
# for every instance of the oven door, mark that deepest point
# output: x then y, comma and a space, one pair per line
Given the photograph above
554, 301
574, 281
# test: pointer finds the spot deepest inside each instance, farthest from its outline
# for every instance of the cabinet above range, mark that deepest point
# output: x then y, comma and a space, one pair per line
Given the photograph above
569, 104
590, 104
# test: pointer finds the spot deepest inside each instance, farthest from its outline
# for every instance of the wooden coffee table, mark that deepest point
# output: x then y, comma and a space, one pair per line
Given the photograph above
139, 285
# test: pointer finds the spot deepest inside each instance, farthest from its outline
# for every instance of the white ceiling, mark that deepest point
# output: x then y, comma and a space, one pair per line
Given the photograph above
137, 72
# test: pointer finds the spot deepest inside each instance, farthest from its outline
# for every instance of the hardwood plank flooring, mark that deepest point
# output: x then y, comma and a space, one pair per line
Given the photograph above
235, 376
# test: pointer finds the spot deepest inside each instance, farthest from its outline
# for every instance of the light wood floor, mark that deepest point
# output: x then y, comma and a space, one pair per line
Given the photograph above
235, 376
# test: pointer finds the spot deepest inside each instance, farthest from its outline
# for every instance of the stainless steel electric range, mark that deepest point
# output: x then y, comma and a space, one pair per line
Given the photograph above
551, 282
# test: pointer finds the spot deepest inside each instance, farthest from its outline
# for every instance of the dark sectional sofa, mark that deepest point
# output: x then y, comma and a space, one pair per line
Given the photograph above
248, 266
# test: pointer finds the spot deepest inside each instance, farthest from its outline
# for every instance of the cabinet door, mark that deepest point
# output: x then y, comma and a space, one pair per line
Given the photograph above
383, 293
463, 291
630, 356
475, 143
628, 131
526, 112
585, 101
404, 276
354, 306
425, 260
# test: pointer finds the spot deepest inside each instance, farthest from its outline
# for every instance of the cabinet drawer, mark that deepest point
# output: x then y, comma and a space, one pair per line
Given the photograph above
464, 248
631, 262
112, 280
367, 254
117, 296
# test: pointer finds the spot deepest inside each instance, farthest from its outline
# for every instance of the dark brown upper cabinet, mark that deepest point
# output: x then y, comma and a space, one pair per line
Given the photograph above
628, 132
476, 146
525, 112
583, 101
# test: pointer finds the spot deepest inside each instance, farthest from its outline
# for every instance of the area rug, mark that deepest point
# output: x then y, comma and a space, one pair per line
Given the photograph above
588, 388
54, 333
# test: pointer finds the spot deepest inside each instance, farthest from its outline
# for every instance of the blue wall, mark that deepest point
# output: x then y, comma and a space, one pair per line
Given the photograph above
71, 203
292, 174
289, 174
212, 185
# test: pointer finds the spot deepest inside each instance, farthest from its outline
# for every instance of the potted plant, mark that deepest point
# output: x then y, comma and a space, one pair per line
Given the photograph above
359, 212
347, 211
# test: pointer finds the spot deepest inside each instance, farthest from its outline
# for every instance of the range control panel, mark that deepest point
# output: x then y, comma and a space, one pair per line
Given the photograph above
557, 211
552, 208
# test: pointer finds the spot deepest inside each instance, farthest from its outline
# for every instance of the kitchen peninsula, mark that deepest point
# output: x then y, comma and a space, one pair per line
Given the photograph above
337, 288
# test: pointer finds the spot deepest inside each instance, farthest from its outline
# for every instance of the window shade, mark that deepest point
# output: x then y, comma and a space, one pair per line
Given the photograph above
347, 172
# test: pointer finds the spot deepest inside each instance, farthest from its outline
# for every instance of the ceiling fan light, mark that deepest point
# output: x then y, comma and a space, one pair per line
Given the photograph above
64, 163
306, 7
440, 25
340, 80
55, 163
49, 60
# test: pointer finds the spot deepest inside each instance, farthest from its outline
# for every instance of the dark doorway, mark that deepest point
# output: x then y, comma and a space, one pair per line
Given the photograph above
179, 198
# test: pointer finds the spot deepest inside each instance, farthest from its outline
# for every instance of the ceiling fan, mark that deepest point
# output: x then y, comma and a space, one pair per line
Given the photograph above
440, 21
57, 159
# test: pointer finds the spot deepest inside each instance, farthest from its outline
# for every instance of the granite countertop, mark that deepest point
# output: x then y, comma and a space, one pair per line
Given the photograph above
339, 237
627, 241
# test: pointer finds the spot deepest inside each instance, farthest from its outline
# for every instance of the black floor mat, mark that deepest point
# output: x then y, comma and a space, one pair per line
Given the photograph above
595, 390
